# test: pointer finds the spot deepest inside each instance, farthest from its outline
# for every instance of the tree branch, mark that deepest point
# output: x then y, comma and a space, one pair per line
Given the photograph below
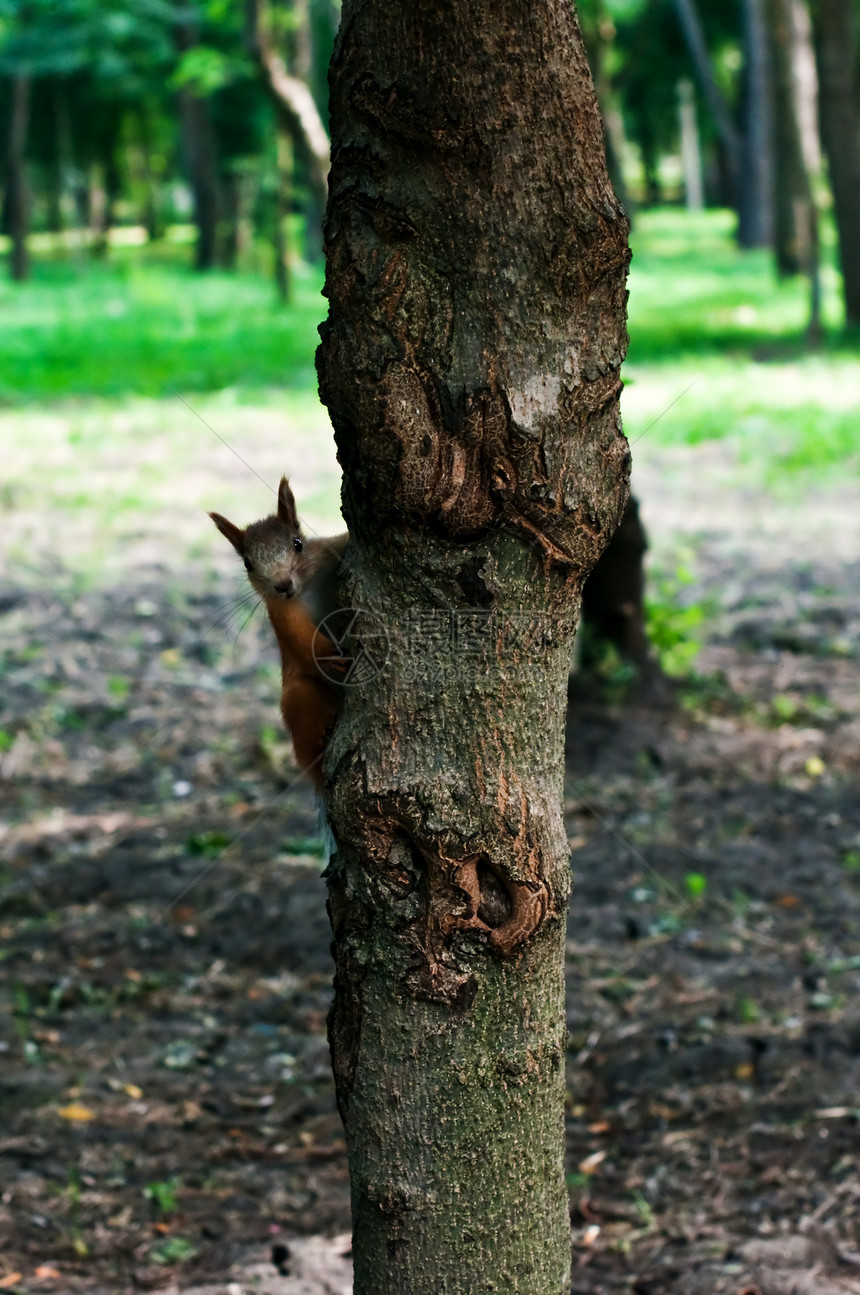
293, 100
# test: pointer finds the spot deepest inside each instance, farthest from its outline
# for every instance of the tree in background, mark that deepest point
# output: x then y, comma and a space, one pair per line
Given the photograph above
476, 265
300, 127
795, 212
836, 42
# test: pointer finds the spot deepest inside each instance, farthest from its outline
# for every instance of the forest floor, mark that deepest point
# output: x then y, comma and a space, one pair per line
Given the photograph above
169, 1121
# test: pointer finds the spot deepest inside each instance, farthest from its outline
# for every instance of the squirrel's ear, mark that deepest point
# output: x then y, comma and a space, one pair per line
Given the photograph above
234, 534
287, 506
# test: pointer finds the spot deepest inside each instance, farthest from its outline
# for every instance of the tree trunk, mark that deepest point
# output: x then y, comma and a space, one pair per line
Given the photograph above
796, 241
795, 224
16, 202
727, 132
476, 262
755, 192
691, 152
613, 600
283, 207
150, 179
198, 139
839, 107
599, 37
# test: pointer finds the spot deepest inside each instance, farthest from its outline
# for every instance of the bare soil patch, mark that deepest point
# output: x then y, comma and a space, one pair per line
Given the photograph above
168, 1115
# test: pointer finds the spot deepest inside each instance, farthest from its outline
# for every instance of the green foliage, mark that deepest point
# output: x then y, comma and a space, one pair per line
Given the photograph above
694, 293
163, 1195
174, 1250
674, 627
208, 845
202, 69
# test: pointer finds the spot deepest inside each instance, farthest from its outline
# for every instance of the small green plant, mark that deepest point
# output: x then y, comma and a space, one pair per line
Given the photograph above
175, 1250
747, 1010
784, 708
313, 845
674, 627
163, 1195
643, 1209
208, 844
695, 883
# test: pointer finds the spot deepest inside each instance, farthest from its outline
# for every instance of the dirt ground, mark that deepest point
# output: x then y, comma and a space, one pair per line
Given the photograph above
168, 1117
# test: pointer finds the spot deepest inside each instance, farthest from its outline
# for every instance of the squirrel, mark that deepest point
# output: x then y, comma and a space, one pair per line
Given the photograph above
296, 579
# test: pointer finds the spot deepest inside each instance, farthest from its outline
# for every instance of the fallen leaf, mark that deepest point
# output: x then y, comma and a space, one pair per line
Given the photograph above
590, 1163
11, 1280
75, 1111
46, 1273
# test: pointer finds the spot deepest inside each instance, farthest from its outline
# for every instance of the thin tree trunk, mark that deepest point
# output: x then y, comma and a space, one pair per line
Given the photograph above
599, 36
153, 218
795, 213
17, 204
755, 192
691, 152
200, 158
731, 143
835, 24
476, 262
794, 210
292, 98
283, 205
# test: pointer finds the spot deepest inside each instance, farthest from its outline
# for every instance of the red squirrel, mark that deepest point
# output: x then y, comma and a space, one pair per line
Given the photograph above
296, 579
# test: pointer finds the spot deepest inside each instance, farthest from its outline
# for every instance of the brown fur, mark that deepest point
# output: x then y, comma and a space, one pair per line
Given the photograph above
297, 585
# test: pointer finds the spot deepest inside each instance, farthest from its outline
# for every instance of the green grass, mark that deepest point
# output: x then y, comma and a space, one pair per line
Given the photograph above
718, 352
121, 380
145, 325
693, 293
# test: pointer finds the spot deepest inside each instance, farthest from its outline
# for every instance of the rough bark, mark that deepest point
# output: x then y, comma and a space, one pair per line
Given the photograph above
16, 200
835, 24
476, 262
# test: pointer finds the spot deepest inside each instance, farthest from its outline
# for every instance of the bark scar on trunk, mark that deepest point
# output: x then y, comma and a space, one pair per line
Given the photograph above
529, 904
452, 880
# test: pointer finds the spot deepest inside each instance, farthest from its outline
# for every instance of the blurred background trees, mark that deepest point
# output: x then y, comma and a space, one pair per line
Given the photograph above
153, 116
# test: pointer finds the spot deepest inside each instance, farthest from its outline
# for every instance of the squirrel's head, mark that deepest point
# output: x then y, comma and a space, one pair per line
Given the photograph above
271, 549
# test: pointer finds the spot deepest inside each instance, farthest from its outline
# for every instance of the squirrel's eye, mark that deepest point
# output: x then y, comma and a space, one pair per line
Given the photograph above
297, 544
249, 566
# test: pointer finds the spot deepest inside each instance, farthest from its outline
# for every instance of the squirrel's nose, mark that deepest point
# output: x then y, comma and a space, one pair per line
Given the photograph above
286, 587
